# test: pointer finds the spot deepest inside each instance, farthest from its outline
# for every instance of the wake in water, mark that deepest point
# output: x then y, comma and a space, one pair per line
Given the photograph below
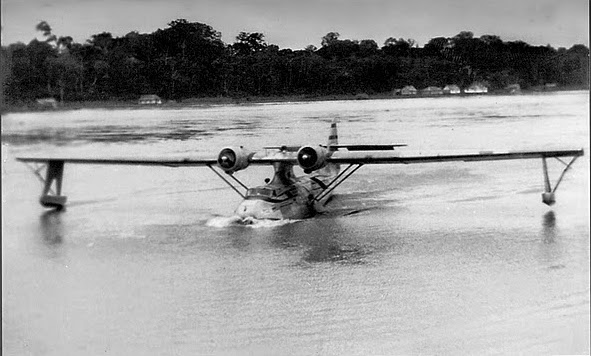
227, 221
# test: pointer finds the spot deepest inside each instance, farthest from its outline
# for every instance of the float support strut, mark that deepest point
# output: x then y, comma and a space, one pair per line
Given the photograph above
228, 182
548, 197
54, 172
347, 172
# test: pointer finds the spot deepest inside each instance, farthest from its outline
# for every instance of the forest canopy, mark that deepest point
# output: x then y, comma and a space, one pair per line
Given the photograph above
189, 59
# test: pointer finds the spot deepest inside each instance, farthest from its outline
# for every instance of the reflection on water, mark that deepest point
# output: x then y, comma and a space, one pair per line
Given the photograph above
51, 227
324, 240
320, 240
333, 250
549, 227
49, 243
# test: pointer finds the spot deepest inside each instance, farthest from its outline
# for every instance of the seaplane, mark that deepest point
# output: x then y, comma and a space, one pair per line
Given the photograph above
287, 196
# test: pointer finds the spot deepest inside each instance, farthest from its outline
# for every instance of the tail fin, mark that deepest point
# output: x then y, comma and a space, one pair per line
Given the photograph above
333, 137
332, 169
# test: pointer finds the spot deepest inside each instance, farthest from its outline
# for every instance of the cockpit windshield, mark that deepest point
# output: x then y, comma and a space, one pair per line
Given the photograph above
260, 192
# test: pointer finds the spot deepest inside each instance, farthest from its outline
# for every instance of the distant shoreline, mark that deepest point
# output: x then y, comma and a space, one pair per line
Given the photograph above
248, 100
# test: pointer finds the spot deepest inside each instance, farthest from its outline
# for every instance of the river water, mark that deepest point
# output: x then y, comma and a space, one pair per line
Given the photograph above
448, 258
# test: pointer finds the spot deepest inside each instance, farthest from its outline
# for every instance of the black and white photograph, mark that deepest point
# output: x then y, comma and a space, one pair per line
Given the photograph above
329, 177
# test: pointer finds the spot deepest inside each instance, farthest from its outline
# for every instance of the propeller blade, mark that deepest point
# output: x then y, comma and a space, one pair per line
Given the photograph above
227, 159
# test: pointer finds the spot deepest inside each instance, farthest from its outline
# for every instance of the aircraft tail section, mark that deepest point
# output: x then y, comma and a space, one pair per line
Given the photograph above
333, 137
332, 169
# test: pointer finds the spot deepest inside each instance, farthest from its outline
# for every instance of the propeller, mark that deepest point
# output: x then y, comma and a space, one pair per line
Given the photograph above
227, 158
232, 159
307, 157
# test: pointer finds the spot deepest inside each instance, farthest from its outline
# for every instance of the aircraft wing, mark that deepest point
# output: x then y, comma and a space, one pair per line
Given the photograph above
355, 157
130, 161
308, 158
400, 158
158, 161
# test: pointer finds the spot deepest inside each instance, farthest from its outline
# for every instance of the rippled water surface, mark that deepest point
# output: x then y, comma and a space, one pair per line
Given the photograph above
453, 258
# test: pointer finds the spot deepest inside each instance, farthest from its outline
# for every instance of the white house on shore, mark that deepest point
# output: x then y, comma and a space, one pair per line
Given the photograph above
514, 88
476, 88
452, 89
47, 102
550, 86
150, 100
408, 90
432, 90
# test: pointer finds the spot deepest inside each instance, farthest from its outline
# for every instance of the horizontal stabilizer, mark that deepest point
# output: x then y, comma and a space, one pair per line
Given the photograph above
283, 148
369, 147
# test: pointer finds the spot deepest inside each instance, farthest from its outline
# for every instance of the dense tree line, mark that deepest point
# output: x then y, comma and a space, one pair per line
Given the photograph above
189, 59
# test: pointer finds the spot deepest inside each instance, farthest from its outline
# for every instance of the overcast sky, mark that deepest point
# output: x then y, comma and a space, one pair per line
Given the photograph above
298, 23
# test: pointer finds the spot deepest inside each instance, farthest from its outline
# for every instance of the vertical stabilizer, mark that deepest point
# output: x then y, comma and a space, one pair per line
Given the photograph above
333, 137
331, 169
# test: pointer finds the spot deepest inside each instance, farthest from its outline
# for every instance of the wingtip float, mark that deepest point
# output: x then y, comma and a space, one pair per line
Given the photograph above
287, 196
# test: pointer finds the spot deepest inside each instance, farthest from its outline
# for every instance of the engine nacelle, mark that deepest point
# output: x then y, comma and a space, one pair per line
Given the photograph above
312, 158
233, 159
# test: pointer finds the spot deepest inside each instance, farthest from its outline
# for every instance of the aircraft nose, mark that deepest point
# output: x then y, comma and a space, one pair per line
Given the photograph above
258, 209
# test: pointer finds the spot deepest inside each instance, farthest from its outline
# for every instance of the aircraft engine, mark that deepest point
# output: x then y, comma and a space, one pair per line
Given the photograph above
312, 158
233, 159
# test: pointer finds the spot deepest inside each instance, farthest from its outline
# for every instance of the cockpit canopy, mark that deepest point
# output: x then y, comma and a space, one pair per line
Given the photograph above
271, 193
262, 192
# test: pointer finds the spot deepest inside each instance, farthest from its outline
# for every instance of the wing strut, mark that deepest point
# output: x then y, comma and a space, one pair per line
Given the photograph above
347, 172
548, 197
228, 182
54, 172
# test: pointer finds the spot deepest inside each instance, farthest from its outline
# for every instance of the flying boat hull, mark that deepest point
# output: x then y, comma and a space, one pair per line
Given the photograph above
289, 201
260, 209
